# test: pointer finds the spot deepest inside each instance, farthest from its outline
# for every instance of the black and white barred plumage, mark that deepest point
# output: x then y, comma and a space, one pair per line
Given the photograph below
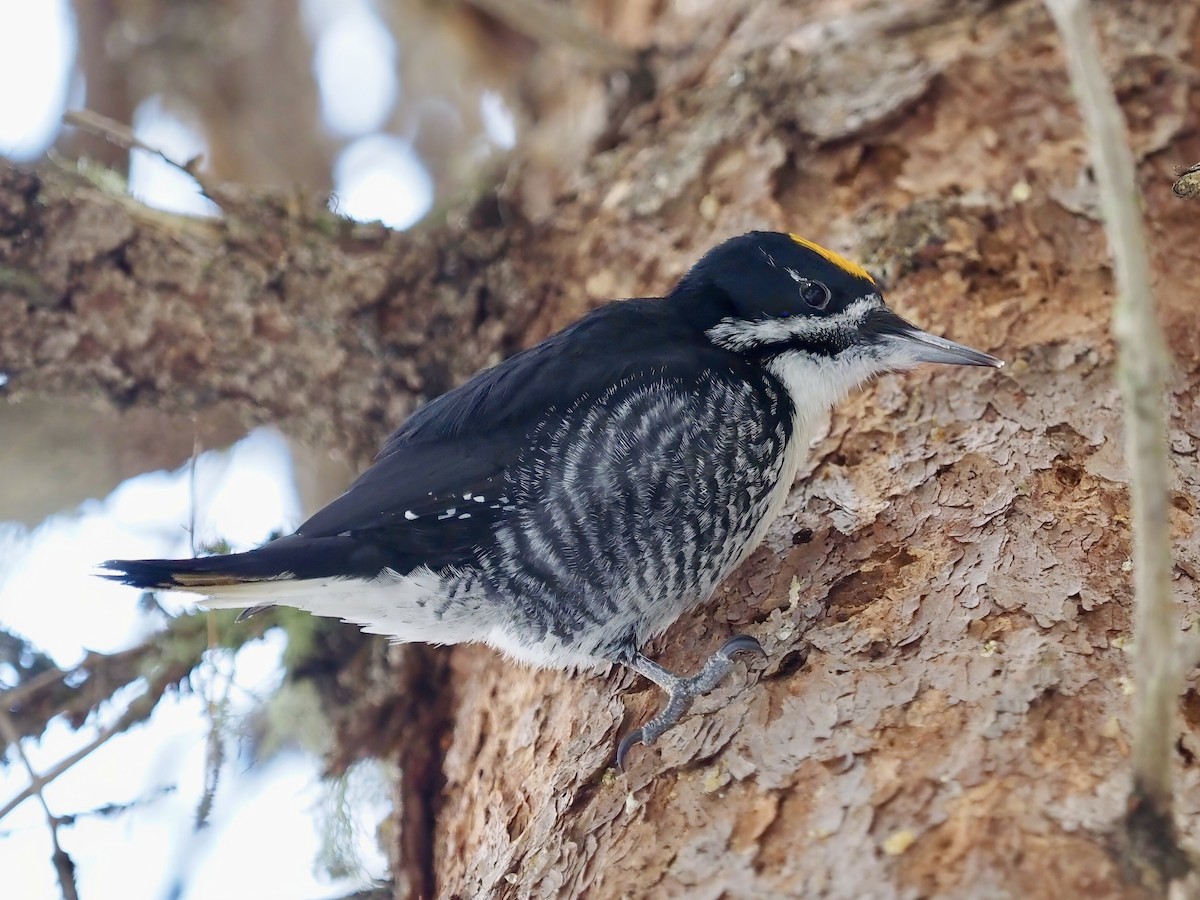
570, 503
635, 505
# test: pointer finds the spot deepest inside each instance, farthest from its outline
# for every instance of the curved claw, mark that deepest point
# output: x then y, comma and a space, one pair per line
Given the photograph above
682, 691
742, 643
631, 740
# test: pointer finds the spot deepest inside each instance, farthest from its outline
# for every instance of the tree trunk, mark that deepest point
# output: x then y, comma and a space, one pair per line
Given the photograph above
945, 600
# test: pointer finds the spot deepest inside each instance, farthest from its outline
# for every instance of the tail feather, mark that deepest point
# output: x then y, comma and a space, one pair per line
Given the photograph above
249, 579
178, 574
377, 587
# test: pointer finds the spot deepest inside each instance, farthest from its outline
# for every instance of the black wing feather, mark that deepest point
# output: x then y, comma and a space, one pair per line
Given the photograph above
605, 346
417, 504
462, 442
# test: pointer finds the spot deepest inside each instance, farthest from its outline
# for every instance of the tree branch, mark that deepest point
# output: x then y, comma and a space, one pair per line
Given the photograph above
1142, 372
138, 709
187, 319
62, 862
122, 136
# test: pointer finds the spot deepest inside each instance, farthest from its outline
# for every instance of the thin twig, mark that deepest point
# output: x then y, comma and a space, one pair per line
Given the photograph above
1142, 364
133, 713
214, 750
108, 810
62, 861
170, 655
214, 747
116, 133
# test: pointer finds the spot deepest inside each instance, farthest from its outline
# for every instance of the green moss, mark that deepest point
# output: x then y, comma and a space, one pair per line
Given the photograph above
27, 284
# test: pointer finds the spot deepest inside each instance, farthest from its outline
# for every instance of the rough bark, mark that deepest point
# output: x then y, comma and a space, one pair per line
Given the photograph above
946, 597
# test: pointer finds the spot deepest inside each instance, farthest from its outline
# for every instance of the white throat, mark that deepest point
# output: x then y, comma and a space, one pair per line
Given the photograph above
816, 384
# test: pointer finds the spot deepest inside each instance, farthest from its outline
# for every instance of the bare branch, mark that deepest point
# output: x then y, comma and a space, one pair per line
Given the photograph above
62, 862
12, 697
76, 694
137, 710
116, 133
214, 748
109, 810
164, 660
1141, 371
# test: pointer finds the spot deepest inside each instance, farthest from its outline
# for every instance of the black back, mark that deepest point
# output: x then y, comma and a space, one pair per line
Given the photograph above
458, 447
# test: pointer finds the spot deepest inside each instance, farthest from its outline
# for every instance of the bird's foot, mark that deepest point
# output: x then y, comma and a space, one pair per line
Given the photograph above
682, 692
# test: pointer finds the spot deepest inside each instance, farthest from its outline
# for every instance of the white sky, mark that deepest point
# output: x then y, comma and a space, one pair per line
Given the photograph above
265, 834
36, 52
264, 837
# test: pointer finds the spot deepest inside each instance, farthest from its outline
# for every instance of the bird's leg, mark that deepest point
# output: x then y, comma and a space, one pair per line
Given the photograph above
681, 692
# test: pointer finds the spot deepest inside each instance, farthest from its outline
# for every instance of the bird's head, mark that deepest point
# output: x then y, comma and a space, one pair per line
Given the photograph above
767, 296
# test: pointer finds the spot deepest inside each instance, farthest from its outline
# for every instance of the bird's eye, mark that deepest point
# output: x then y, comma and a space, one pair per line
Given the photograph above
815, 294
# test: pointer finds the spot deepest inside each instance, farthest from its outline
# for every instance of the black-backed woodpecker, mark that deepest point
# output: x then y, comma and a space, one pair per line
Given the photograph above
569, 504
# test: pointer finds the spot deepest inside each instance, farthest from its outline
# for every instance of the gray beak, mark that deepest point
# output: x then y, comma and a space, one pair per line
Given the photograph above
908, 344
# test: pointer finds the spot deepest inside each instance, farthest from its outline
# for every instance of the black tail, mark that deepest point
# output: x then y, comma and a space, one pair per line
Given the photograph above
289, 558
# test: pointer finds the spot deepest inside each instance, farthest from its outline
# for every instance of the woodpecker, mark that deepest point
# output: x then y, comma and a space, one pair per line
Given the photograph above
569, 504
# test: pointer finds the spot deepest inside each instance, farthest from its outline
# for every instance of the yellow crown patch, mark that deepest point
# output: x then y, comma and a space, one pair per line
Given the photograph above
837, 259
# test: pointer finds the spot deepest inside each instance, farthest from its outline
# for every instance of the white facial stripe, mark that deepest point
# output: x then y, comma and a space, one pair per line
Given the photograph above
742, 334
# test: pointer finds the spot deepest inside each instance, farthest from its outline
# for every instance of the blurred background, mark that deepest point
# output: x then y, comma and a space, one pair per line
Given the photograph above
389, 105
393, 109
